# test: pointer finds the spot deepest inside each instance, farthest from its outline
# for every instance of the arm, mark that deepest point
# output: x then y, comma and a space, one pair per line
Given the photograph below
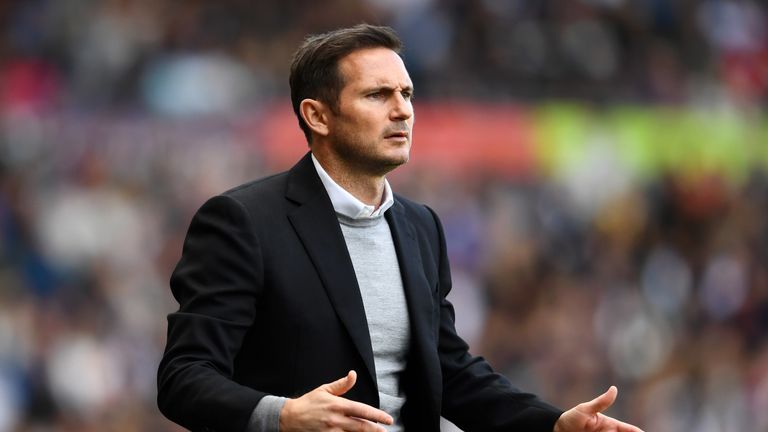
216, 282
474, 396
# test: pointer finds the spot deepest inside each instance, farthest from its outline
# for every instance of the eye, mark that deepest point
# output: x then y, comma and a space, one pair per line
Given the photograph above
407, 95
375, 95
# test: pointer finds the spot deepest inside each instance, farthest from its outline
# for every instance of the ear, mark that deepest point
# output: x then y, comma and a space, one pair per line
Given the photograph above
315, 114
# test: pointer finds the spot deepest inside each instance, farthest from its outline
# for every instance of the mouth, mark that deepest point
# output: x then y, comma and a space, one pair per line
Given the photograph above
397, 135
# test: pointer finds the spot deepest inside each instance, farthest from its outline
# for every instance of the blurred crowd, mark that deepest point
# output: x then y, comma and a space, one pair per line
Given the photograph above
118, 118
194, 56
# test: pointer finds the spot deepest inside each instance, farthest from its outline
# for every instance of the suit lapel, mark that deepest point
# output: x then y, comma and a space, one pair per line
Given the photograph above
416, 286
318, 228
420, 302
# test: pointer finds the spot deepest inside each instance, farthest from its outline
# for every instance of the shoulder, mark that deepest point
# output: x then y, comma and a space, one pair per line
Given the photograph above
260, 189
254, 200
413, 208
420, 215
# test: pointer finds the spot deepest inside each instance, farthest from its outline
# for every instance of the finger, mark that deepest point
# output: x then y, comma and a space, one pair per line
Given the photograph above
366, 412
359, 425
342, 385
626, 427
617, 425
602, 402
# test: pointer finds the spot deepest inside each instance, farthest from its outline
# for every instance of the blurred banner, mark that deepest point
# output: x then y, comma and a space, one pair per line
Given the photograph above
512, 141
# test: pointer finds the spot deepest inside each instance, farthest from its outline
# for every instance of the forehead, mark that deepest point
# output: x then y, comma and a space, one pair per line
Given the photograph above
374, 67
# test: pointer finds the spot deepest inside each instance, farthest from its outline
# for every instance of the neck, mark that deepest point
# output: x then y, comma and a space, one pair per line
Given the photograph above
366, 187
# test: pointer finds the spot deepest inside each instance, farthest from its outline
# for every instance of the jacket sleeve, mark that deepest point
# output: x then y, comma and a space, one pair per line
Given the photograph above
217, 283
474, 396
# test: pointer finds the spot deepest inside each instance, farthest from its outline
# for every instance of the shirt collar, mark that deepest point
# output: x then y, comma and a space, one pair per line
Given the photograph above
346, 204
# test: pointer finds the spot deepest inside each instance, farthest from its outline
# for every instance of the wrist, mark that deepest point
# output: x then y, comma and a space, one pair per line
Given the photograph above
283, 422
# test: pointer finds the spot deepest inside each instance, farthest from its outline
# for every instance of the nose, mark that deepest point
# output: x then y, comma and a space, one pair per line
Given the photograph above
402, 108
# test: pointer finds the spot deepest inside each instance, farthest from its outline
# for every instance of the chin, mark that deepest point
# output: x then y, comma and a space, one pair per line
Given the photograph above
400, 159
388, 163
402, 155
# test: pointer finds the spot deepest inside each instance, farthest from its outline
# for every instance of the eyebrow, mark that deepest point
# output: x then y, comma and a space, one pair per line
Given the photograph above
389, 88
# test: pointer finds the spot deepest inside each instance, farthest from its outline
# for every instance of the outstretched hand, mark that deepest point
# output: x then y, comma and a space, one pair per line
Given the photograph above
324, 409
588, 417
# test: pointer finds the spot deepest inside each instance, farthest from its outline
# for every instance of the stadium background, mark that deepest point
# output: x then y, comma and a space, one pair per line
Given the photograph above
599, 165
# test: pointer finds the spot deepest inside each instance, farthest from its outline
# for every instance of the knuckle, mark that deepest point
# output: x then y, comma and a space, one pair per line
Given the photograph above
336, 406
330, 422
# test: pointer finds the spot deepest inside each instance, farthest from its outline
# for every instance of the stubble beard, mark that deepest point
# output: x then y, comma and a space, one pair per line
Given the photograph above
360, 155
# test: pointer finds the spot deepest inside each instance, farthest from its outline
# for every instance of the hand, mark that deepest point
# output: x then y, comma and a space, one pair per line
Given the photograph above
587, 417
323, 409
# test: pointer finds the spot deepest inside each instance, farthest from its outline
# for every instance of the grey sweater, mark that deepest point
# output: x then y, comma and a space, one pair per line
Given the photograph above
370, 246
374, 259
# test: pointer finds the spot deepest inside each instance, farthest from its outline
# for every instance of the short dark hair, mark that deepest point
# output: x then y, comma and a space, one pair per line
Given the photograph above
314, 69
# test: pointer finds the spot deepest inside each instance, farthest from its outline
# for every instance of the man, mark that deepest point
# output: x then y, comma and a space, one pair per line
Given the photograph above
315, 299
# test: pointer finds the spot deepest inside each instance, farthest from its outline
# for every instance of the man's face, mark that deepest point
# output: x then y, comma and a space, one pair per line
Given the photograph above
372, 128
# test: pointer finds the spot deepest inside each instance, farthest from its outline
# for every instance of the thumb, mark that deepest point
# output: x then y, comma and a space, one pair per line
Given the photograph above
602, 402
341, 386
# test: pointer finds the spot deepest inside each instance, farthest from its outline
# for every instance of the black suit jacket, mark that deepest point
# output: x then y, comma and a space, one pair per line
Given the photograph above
269, 304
